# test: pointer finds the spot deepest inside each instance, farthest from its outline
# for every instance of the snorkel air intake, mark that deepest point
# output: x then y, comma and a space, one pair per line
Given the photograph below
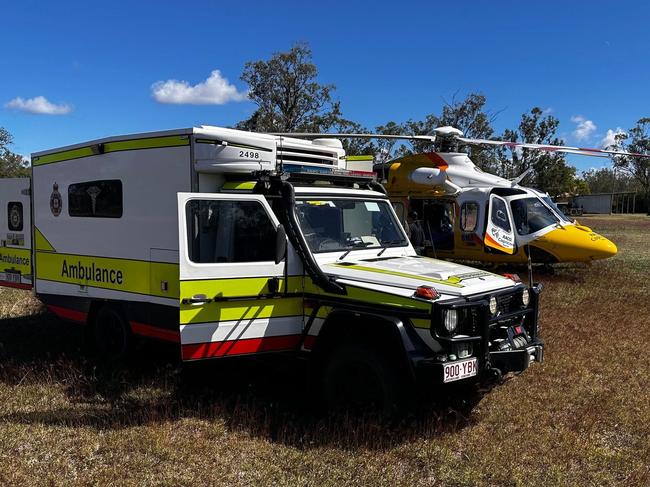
298, 241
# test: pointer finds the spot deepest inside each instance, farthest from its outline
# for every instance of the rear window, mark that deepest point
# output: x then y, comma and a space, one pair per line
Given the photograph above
96, 199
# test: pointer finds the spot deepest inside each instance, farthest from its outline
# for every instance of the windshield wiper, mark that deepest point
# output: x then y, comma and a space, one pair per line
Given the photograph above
387, 244
356, 245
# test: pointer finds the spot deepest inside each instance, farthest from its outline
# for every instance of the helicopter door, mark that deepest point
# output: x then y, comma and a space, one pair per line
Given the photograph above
499, 234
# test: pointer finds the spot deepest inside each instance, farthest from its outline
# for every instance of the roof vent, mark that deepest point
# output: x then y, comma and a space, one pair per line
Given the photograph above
335, 143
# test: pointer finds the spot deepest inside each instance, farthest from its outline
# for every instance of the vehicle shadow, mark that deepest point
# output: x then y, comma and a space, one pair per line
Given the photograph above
273, 399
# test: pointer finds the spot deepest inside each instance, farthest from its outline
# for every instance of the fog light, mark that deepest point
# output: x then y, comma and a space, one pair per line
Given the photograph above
525, 297
463, 350
450, 317
493, 305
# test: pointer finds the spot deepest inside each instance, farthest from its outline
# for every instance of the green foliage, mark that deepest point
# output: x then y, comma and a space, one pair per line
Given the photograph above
606, 180
551, 173
11, 165
469, 115
287, 95
636, 141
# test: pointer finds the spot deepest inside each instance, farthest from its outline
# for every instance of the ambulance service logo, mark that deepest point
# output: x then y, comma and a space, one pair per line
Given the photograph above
15, 217
56, 203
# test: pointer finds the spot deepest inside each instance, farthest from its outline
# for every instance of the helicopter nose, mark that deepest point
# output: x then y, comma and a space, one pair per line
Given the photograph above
594, 245
575, 243
603, 248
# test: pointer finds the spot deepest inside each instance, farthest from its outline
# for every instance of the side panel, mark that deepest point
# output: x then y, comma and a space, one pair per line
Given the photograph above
231, 306
131, 256
15, 233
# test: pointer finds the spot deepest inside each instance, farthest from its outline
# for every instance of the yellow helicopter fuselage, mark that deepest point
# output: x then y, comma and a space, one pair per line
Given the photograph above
459, 207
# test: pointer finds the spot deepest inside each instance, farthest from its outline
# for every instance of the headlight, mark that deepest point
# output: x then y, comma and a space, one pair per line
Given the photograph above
450, 318
493, 305
525, 297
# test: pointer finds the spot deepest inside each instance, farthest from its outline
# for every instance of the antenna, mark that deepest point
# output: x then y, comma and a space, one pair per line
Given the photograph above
530, 267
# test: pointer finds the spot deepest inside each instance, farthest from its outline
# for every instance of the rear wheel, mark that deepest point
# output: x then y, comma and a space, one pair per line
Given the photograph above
112, 337
360, 378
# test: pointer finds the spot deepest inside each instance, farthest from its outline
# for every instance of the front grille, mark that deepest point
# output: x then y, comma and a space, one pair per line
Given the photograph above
506, 303
469, 321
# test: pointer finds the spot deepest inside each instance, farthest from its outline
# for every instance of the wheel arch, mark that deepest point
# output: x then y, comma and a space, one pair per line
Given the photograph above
385, 332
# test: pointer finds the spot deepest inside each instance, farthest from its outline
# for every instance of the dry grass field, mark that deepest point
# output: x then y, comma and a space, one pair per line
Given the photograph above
582, 418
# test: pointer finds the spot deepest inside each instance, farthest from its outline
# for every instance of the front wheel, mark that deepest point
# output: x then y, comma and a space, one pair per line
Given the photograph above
360, 378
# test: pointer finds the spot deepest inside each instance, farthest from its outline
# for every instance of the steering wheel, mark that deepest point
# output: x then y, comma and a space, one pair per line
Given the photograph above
328, 244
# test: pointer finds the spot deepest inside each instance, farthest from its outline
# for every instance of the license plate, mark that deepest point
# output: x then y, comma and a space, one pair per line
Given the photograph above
12, 277
460, 370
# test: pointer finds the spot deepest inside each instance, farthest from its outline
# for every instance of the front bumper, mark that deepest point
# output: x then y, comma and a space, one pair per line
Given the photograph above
491, 370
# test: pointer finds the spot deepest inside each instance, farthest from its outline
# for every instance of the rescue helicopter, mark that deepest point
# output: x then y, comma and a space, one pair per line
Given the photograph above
468, 214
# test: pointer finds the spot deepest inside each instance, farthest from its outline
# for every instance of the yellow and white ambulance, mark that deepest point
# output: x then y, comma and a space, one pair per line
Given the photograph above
234, 243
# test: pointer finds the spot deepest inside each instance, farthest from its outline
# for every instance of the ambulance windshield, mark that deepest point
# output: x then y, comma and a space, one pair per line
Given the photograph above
347, 224
531, 215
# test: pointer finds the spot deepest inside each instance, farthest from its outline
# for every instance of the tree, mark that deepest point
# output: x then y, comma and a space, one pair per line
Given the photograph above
551, 173
607, 180
636, 141
468, 115
11, 165
287, 95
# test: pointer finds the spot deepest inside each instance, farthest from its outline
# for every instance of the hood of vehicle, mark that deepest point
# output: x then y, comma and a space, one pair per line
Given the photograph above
411, 272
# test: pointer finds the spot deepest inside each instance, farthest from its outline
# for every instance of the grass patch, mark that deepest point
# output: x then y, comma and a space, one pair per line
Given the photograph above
581, 418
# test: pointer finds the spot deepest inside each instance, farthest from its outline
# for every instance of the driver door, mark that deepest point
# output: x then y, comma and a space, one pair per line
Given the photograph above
499, 233
234, 298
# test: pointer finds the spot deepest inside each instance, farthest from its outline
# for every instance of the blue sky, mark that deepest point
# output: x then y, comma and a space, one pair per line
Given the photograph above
585, 62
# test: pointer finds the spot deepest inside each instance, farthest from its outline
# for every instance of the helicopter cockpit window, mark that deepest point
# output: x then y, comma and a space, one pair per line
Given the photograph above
559, 212
531, 215
468, 217
499, 214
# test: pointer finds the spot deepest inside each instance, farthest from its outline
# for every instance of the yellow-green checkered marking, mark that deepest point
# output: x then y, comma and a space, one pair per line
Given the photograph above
122, 145
451, 281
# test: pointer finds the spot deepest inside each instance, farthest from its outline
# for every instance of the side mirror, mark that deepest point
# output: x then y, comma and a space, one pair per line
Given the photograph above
280, 244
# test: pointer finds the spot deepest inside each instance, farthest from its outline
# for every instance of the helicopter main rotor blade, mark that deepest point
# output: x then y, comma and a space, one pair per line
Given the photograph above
308, 135
583, 151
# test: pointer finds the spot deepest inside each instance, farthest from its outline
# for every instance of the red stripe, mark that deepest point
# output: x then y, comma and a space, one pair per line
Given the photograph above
437, 160
239, 347
68, 314
309, 342
16, 285
155, 332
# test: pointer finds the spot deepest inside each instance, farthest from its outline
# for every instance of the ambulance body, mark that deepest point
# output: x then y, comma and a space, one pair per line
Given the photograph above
15, 233
236, 243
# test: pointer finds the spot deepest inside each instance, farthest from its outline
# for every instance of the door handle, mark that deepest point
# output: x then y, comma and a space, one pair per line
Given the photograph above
197, 299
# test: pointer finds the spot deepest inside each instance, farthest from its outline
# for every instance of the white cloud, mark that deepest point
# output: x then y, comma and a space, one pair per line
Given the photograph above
610, 137
585, 128
39, 105
216, 90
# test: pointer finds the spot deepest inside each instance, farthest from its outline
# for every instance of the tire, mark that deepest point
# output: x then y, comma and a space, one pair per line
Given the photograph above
359, 378
112, 337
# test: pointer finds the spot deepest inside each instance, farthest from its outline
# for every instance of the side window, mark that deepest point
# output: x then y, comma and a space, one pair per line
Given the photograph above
499, 214
15, 216
96, 199
229, 231
399, 210
468, 217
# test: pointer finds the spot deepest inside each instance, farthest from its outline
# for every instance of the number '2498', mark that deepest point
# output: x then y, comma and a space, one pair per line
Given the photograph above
249, 154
